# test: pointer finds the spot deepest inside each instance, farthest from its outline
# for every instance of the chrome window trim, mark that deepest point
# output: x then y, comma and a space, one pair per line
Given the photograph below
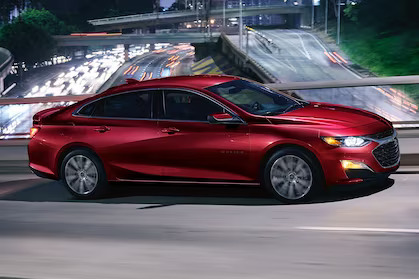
160, 90
75, 113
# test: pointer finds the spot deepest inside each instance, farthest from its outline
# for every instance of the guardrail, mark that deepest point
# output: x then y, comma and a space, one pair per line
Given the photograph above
171, 14
399, 80
180, 37
372, 81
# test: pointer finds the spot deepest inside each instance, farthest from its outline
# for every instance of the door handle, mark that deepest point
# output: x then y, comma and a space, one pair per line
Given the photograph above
102, 129
170, 130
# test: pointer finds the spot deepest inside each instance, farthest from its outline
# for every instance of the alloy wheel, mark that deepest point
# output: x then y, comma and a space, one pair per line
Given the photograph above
291, 177
81, 174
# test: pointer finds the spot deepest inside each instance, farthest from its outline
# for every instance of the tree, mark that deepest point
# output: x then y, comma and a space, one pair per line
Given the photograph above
77, 12
46, 20
27, 42
177, 6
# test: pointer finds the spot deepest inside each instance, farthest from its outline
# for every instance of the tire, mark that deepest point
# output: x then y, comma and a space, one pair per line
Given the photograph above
292, 175
83, 175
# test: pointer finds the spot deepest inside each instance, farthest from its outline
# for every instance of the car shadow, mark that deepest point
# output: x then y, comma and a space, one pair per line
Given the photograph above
160, 195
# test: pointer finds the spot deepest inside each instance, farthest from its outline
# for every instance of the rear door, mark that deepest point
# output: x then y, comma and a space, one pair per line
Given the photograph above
192, 148
121, 129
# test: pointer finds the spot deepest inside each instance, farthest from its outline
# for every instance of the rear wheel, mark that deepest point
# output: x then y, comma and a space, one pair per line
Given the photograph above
83, 175
291, 175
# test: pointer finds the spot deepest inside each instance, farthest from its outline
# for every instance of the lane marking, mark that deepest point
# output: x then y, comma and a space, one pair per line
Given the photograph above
304, 47
321, 45
356, 229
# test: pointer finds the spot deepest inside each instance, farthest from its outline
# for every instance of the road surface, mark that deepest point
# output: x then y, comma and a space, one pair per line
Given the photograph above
208, 232
296, 55
158, 63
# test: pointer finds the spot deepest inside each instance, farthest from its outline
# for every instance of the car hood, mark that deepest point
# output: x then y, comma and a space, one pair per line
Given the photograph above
334, 117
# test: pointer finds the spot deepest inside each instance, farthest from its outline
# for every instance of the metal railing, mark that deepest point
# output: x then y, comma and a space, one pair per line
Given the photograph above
40, 102
192, 13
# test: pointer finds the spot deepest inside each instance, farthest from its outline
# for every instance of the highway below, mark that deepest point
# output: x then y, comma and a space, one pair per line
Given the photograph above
154, 231
156, 64
101, 71
297, 55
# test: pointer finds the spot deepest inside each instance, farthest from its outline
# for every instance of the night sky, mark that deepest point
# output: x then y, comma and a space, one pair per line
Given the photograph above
166, 3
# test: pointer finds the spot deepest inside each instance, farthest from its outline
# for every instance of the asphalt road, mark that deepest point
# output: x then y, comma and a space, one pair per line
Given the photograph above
155, 64
296, 55
153, 231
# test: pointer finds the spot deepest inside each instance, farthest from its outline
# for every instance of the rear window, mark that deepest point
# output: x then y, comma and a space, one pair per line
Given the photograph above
126, 105
87, 110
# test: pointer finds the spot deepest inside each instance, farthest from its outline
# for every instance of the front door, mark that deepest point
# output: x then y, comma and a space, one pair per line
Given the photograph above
192, 148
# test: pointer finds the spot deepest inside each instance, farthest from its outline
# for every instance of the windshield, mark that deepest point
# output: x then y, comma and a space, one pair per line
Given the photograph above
255, 98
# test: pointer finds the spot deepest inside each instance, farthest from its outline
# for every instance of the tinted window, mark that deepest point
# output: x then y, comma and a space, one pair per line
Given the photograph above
180, 105
127, 105
255, 98
87, 110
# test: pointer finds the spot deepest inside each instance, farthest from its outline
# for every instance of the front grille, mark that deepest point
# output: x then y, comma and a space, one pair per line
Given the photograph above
387, 154
382, 135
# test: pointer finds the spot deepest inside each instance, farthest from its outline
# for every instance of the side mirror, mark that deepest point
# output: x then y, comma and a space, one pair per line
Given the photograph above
224, 118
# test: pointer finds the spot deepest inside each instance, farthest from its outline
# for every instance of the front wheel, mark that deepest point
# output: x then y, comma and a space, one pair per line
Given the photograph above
292, 175
83, 175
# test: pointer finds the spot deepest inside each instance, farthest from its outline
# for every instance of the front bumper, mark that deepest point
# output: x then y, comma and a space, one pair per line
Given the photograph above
336, 174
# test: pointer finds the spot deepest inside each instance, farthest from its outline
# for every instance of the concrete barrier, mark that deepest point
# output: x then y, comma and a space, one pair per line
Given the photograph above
243, 61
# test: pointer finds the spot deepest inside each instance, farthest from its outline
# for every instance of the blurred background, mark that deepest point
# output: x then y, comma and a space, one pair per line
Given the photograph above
360, 53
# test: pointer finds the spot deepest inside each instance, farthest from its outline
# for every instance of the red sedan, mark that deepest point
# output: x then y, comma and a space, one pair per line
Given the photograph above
210, 129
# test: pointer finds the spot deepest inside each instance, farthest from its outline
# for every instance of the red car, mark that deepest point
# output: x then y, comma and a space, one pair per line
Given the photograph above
212, 130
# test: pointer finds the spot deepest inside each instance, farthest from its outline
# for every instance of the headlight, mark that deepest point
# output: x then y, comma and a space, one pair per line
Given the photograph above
346, 141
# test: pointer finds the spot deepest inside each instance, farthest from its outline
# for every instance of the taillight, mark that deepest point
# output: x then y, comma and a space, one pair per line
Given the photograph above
33, 132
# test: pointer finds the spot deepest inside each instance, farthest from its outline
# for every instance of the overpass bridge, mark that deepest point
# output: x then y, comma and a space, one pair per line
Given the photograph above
126, 39
150, 19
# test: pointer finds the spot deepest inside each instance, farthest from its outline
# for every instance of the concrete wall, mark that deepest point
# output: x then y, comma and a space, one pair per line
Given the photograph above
242, 61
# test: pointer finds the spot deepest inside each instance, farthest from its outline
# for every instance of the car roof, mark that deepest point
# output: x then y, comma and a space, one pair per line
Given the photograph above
194, 82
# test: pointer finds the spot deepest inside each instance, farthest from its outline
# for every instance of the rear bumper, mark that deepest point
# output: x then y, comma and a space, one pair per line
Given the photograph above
42, 174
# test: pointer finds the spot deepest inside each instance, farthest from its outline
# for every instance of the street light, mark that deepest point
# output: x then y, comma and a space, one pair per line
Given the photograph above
338, 28
312, 14
240, 23
224, 13
326, 16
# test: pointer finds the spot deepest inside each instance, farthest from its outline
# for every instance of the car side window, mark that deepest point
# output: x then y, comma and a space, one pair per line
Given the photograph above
181, 105
125, 105
87, 110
